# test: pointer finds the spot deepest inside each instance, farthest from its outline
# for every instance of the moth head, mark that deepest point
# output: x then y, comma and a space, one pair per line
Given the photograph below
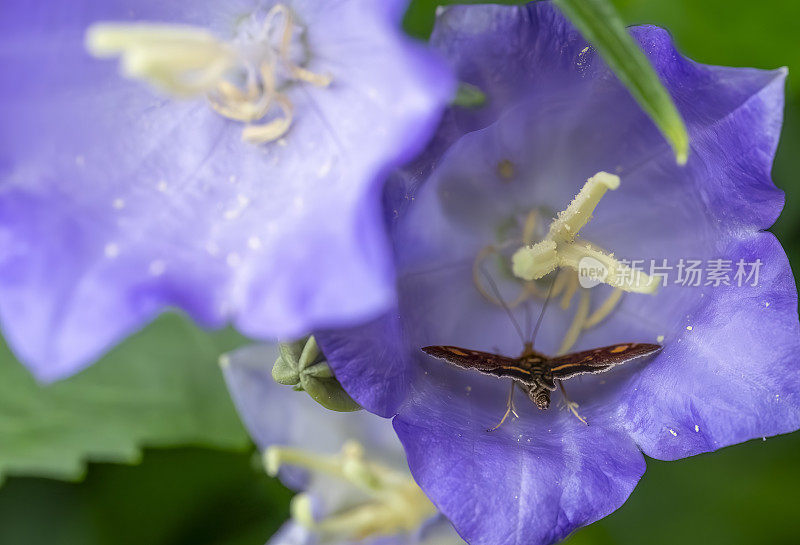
540, 398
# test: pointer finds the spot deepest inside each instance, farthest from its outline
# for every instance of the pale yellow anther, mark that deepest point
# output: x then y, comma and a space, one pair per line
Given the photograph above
563, 248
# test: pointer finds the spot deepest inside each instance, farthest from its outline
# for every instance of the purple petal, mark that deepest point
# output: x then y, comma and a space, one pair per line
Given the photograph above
522, 484
356, 349
733, 375
117, 202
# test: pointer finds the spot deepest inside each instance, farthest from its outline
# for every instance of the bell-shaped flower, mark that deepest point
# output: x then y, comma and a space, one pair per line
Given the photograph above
561, 171
222, 158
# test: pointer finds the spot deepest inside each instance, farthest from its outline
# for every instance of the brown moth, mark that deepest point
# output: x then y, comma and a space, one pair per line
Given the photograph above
535, 373
538, 374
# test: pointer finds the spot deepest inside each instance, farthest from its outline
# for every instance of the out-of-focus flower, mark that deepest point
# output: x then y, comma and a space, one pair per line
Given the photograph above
350, 467
238, 177
489, 187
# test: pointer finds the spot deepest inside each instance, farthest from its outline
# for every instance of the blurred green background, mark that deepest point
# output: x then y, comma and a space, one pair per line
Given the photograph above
173, 496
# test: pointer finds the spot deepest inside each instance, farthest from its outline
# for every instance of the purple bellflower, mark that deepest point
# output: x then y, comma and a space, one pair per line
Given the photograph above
483, 198
349, 468
233, 169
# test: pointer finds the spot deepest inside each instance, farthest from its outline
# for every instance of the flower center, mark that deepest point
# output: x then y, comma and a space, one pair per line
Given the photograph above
562, 248
542, 250
245, 79
394, 504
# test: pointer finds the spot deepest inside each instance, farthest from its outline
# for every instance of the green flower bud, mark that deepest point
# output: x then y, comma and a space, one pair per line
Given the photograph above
302, 365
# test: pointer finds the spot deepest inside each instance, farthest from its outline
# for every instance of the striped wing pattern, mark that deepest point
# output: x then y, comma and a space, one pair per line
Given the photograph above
599, 359
537, 368
485, 362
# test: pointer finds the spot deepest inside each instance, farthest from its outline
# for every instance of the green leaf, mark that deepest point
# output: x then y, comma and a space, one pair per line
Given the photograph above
162, 387
599, 22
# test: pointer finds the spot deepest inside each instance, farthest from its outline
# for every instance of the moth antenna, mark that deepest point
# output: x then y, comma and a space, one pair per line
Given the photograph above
528, 319
496, 293
544, 308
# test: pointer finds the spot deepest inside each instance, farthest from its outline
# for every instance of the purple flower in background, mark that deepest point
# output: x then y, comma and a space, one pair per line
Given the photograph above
488, 187
350, 467
237, 179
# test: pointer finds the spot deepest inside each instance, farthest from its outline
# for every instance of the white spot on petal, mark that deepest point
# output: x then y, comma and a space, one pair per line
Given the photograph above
111, 250
119, 204
697, 428
162, 186
254, 243
673, 432
157, 267
660, 339
689, 328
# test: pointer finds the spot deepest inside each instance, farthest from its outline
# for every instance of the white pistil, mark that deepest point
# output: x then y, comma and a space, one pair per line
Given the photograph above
396, 504
241, 84
562, 247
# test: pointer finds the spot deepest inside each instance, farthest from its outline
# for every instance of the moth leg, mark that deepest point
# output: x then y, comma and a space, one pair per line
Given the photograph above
510, 409
569, 404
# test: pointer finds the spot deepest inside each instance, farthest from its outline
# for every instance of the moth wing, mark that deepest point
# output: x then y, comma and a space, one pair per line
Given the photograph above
599, 359
485, 362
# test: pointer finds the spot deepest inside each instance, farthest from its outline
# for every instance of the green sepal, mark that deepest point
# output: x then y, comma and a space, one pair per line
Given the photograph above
302, 366
330, 394
469, 96
286, 369
319, 371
